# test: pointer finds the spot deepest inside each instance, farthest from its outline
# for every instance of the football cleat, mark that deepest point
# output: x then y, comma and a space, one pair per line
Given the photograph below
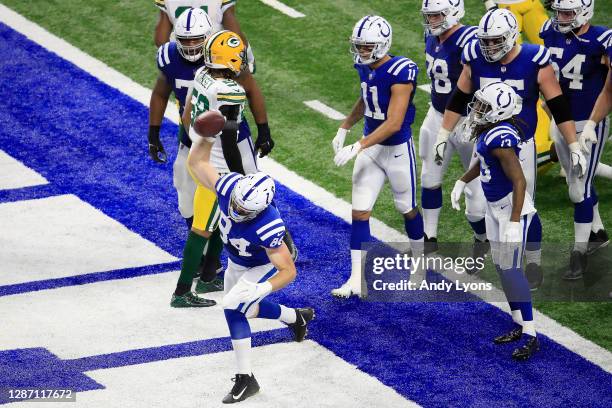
216, 285
513, 335
431, 245
525, 351
578, 264
479, 250
190, 299
288, 240
244, 387
347, 290
597, 240
534, 275
302, 317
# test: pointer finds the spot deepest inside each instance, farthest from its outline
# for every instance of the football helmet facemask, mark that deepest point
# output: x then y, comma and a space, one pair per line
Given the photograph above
191, 30
497, 34
582, 11
252, 194
441, 15
493, 103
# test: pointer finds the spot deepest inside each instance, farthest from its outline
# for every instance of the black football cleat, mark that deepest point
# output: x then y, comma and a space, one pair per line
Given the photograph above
288, 240
245, 386
578, 264
479, 250
300, 328
534, 275
431, 244
525, 351
597, 240
513, 335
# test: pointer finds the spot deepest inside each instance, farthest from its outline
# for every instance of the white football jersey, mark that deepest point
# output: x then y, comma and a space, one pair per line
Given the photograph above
210, 94
214, 9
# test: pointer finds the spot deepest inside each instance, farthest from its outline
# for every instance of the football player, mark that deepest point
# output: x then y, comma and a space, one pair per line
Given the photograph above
386, 151
497, 57
510, 208
578, 54
444, 41
259, 261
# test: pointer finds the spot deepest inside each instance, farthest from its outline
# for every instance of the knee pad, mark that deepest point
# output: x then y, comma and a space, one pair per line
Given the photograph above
576, 191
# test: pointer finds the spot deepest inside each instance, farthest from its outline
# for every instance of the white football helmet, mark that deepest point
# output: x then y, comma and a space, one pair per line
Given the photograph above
252, 194
192, 27
451, 11
493, 103
582, 10
370, 32
497, 33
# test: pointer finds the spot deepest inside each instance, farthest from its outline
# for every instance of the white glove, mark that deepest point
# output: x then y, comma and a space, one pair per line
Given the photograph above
513, 232
347, 153
245, 292
490, 5
338, 140
587, 136
579, 164
250, 59
440, 145
456, 194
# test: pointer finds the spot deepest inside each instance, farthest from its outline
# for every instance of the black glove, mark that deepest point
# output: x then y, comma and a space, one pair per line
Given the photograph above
264, 142
548, 4
156, 149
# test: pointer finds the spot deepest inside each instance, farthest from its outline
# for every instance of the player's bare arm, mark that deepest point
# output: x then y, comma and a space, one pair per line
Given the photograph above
163, 28
471, 173
257, 104
199, 163
280, 257
157, 107
458, 100
549, 87
186, 118
356, 114
512, 168
230, 22
603, 105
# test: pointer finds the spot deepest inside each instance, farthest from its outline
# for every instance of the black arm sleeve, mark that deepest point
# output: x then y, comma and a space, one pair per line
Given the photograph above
560, 109
458, 101
229, 138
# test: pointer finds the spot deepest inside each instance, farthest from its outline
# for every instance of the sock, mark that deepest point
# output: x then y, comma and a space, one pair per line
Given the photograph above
516, 315
360, 233
431, 201
287, 315
597, 224
516, 288
269, 310
192, 255
533, 251
603, 170
529, 328
414, 230
242, 351
214, 248
479, 226
583, 218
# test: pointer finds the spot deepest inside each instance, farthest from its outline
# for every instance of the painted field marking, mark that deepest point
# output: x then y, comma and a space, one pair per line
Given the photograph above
324, 109
547, 326
283, 8
425, 87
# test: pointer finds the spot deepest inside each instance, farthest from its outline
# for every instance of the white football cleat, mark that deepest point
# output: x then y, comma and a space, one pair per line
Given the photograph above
347, 290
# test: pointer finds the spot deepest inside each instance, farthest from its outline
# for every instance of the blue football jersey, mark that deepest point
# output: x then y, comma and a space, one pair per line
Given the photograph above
246, 241
444, 64
376, 93
495, 184
521, 74
178, 71
578, 64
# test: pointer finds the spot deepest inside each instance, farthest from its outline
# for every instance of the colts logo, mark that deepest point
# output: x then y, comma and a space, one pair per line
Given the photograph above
501, 103
233, 42
454, 3
511, 20
382, 24
587, 3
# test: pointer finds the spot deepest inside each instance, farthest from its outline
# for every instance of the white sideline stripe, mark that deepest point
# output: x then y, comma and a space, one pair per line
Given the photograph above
283, 8
425, 87
324, 199
325, 110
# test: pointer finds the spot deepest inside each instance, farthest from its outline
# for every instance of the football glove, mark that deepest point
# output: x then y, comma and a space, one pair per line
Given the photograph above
456, 194
245, 292
338, 141
250, 59
347, 153
440, 145
512, 232
579, 164
264, 142
588, 137
156, 149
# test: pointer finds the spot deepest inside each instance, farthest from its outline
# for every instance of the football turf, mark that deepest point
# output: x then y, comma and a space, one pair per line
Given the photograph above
304, 59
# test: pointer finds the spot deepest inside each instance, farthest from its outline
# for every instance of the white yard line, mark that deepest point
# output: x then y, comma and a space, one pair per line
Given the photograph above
425, 87
324, 109
283, 8
547, 326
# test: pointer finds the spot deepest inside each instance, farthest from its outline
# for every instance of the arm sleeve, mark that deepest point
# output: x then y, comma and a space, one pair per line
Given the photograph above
229, 138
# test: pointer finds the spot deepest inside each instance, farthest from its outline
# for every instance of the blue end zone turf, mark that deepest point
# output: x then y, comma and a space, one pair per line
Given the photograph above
90, 140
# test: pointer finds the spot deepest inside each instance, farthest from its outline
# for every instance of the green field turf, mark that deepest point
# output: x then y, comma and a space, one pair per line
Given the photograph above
303, 59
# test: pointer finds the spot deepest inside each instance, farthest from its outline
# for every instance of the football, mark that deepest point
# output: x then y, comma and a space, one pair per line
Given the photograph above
209, 123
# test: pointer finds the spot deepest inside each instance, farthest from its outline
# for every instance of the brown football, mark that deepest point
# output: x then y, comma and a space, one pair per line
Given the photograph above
209, 123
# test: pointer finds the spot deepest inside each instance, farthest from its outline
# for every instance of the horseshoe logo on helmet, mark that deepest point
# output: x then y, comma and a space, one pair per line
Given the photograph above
382, 24
499, 99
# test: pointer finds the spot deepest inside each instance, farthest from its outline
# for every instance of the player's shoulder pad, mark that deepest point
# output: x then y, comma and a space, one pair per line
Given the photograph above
229, 91
270, 229
470, 52
503, 135
165, 54
546, 29
160, 4
468, 33
403, 69
603, 36
538, 53
226, 184
226, 4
